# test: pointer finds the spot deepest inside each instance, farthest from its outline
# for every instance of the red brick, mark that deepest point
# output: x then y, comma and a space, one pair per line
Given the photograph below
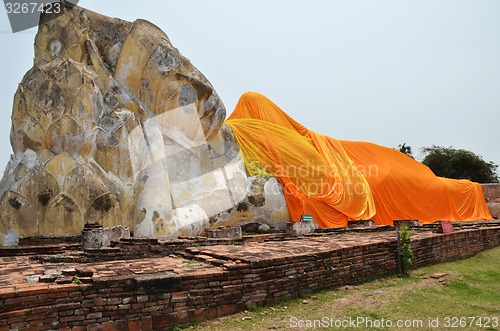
212, 313
45, 321
137, 306
67, 306
8, 292
147, 324
142, 298
111, 308
94, 315
43, 297
181, 317
34, 290
42, 310
79, 328
18, 300
163, 321
15, 313
101, 301
240, 306
114, 301
122, 325
31, 318
71, 319
81, 312
226, 310
128, 300
66, 313
197, 315
134, 325
63, 288
94, 327
179, 297
19, 325
110, 326
40, 328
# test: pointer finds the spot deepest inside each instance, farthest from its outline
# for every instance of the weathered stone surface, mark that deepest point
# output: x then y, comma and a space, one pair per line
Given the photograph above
233, 232
300, 228
99, 237
263, 228
11, 238
47, 278
360, 224
113, 125
409, 223
494, 209
491, 191
84, 272
492, 195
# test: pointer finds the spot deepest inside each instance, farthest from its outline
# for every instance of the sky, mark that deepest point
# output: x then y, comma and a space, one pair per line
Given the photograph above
423, 72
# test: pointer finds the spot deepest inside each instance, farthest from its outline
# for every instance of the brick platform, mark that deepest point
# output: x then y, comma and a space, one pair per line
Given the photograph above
211, 281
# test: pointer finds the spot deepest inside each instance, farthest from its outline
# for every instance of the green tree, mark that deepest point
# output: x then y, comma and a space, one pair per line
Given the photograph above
459, 164
403, 148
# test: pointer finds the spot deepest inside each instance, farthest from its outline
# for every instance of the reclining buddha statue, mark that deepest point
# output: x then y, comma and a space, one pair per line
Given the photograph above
113, 125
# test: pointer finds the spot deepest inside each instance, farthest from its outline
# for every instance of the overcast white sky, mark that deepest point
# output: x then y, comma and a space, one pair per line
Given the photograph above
388, 71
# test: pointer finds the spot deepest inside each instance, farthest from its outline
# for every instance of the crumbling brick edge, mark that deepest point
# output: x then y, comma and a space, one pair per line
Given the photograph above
162, 301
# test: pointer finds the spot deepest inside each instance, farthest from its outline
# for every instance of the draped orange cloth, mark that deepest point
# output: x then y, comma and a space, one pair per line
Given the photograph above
336, 180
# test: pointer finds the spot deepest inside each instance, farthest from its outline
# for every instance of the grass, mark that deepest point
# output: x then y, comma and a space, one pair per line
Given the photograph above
469, 290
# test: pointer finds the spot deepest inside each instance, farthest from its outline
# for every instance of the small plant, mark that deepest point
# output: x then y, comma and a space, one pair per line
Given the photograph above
406, 253
76, 281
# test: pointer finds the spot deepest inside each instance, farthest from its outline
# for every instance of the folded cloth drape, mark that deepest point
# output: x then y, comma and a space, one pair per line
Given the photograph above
337, 180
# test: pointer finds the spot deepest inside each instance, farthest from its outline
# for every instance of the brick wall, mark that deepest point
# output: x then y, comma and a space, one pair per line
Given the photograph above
161, 301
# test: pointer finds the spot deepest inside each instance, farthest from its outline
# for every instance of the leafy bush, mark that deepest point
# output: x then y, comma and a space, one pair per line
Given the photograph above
406, 252
459, 164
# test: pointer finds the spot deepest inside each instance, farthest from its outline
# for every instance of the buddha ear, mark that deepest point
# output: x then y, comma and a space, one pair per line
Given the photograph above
203, 89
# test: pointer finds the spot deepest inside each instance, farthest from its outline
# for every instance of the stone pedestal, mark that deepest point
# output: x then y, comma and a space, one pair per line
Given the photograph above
95, 236
360, 224
296, 229
408, 223
233, 232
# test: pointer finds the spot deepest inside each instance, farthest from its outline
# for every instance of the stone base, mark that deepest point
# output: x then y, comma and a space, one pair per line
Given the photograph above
94, 236
295, 229
233, 232
408, 223
360, 224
